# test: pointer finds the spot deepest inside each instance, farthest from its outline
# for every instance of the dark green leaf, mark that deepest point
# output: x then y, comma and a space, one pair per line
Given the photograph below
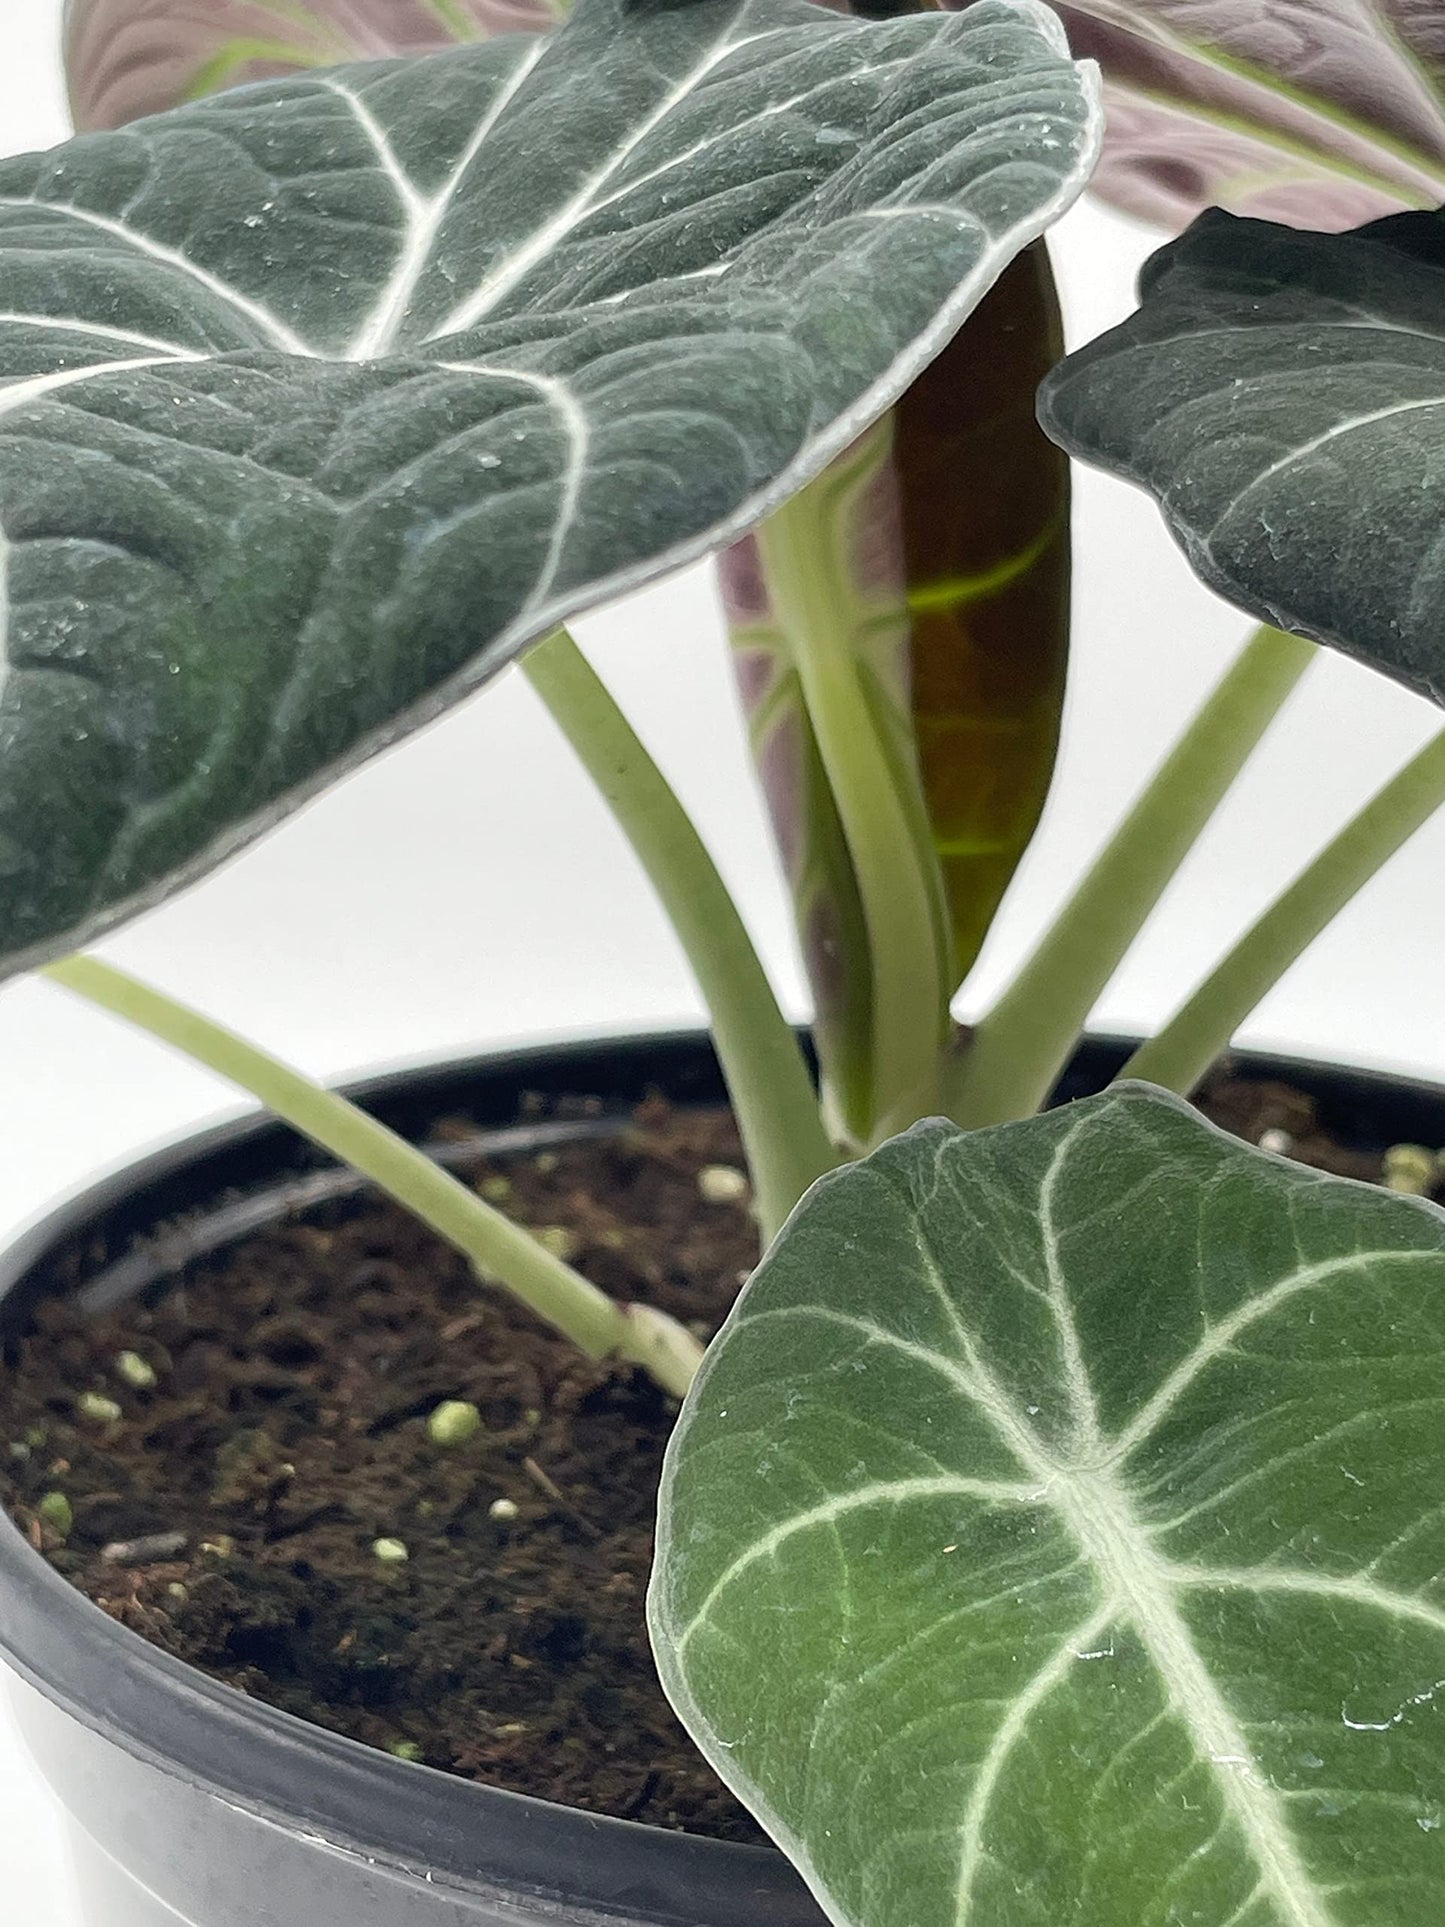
1053, 1536
1283, 396
319, 400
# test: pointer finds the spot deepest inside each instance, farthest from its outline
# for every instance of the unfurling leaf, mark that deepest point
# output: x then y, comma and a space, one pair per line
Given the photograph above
952, 565
1321, 113
320, 400
126, 58
1283, 396
1053, 1534
984, 502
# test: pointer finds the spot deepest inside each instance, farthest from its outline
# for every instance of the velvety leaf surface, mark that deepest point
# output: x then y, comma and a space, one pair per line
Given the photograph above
1283, 396
1321, 113
321, 399
1053, 1535
126, 58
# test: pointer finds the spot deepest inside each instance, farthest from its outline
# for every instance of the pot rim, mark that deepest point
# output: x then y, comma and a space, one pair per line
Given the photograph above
354, 1798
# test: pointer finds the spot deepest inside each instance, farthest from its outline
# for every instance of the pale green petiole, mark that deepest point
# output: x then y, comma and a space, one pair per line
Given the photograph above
500, 1250
1021, 1046
867, 753
767, 1075
1189, 1043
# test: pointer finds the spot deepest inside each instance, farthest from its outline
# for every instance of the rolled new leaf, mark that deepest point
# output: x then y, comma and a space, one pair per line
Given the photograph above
984, 511
1052, 1534
1320, 113
1282, 395
320, 400
126, 58
953, 546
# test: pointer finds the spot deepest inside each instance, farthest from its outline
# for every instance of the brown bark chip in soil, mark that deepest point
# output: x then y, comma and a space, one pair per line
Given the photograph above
286, 1434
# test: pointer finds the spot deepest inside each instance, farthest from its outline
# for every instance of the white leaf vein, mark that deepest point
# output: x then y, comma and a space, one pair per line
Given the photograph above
577, 435
1218, 1340
412, 200
101, 331
883, 1492
380, 330
281, 334
1138, 1586
1350, 1589
973, 1853
735, 129
19, 394
1076, 1375
1294, 456
505, 274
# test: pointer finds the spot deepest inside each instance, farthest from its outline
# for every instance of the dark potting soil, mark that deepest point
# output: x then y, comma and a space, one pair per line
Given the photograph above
286, 1434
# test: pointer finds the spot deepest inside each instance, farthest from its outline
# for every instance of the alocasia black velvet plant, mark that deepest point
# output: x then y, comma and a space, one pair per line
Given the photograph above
1053, 1532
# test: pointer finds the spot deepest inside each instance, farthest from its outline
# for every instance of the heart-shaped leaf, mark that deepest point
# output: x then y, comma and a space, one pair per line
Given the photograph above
1321, 113
1053, 1534
1283, 396
126, 58
323, 398
986, 569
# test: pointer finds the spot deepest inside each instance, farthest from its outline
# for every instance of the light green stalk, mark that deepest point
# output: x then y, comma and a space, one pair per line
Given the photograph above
1189, 1043
865, 740
767, 1075
1022, 1045
500, 1250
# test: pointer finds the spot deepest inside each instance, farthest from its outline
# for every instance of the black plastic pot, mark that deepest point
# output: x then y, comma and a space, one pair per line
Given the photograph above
193, 1806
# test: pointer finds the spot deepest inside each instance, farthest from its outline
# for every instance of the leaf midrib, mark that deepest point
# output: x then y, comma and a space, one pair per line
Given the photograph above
1096, 1509
1138, 1587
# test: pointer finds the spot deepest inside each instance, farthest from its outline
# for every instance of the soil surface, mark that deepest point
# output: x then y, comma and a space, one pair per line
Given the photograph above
230, 1511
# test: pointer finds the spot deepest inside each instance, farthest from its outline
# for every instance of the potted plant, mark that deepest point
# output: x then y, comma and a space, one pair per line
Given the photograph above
1051, 1467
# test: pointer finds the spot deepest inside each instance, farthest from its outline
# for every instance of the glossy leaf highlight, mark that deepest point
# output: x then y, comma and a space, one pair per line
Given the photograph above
1052, 1535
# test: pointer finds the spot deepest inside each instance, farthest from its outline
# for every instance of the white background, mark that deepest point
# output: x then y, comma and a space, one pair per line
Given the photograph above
468, 888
